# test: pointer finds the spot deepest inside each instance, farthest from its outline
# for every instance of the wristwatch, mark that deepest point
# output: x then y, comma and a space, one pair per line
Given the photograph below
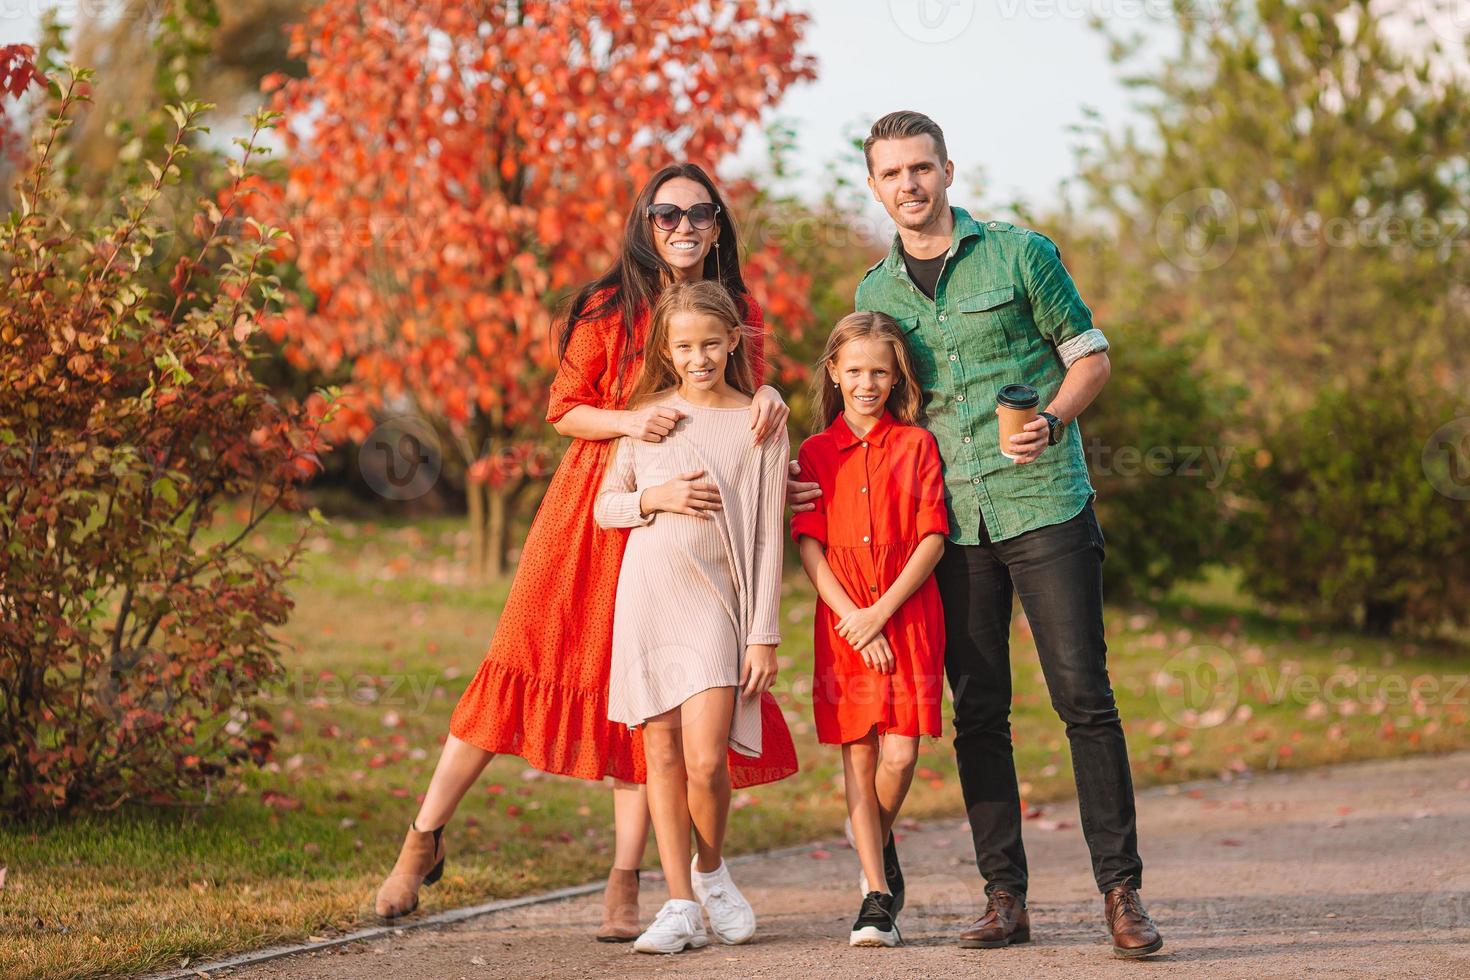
1054, 428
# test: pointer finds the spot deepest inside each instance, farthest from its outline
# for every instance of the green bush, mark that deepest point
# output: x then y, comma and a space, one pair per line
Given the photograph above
1159, 456
1353, 512
131, 649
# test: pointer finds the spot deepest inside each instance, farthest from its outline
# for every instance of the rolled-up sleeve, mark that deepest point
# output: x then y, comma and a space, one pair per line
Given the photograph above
1056, 306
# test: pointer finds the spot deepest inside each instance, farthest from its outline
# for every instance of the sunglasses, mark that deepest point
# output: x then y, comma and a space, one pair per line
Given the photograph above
668, 216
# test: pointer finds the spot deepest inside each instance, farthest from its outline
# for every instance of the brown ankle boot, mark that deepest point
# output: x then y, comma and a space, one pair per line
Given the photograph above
1134, 933
620, 922
420, 862
1005, 921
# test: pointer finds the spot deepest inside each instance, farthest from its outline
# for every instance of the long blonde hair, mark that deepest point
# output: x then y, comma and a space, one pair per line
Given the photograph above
905, 400
703, 296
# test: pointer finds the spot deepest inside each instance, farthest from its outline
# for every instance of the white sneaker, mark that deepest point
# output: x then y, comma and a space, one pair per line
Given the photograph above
731, 918
677, 927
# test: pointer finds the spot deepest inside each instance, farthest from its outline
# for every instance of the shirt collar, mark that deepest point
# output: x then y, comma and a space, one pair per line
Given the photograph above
965, 227
846, 438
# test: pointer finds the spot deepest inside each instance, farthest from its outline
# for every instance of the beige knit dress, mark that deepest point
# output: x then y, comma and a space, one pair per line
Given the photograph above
693, 592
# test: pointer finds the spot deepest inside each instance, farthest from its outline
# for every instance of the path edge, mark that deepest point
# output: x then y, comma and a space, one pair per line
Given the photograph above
467, 912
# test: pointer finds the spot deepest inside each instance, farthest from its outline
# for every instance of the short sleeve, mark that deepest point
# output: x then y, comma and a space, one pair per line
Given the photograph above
933, 514
755, 321
812, 523
582, 373
1060, 314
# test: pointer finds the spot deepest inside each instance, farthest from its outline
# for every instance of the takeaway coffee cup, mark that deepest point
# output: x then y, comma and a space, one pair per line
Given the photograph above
1015, 405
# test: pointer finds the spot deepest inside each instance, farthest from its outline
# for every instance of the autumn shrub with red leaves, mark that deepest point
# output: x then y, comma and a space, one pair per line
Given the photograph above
134, 638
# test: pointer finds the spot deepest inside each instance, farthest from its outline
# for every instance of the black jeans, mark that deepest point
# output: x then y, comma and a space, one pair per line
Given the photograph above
1057, 571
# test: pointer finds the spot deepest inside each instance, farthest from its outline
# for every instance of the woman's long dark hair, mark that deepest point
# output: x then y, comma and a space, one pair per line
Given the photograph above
638, 274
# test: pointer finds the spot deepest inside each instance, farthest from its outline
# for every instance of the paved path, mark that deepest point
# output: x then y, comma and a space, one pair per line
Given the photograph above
1354, 871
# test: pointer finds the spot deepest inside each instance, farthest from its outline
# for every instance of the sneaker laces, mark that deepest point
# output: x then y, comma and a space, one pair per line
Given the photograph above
665, 916
719, 896
873, 906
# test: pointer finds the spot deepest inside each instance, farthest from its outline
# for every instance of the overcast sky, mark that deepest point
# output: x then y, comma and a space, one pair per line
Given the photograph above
1004, 78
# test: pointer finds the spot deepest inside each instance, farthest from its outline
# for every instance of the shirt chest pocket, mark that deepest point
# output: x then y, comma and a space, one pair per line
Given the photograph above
921, 349
990, 319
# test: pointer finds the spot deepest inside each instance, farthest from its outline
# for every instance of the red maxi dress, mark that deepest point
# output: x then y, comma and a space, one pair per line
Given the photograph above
541, 692
881, 494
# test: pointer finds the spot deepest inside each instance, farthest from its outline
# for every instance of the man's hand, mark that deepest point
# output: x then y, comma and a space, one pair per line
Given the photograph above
1028, 444
800, 496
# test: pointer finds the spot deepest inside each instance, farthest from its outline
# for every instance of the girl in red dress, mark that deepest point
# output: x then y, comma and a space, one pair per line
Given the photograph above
870, 546
541, 692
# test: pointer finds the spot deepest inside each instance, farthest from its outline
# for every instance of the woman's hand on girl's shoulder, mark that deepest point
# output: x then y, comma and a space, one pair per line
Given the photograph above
768, 413
651, 423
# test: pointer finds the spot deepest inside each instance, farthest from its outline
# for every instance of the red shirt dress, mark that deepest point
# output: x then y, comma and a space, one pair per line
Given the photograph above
541, 691
881, 494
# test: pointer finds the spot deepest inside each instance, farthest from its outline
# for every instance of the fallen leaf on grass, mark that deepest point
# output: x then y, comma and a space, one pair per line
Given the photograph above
279, 801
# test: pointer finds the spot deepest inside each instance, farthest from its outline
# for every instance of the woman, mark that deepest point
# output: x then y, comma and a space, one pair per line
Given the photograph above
541, 692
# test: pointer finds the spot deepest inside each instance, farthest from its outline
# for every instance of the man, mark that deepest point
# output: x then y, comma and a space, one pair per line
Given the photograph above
984, 305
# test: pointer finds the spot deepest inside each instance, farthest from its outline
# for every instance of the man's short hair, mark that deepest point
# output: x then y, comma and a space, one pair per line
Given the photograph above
900, 126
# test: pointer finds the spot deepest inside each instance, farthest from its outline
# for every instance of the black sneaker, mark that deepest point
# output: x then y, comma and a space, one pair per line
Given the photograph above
875, 925
893, 873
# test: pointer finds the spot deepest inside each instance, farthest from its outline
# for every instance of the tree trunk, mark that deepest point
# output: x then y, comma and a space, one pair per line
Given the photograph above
1379, 615
497, 531
475, 496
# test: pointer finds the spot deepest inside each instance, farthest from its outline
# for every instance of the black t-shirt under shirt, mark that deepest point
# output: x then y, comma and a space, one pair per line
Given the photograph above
924, 272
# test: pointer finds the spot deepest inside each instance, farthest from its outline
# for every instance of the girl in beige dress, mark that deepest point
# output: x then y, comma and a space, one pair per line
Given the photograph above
695, 622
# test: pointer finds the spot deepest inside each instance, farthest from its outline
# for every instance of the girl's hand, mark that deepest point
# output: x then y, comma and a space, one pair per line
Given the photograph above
861, 626
759, 672
651, 424
878, 655
799, 496
767, 413
683, 495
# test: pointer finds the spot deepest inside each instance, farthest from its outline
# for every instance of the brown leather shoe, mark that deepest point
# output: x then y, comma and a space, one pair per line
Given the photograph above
420, 862
1134, 933
1005, 921
620, 908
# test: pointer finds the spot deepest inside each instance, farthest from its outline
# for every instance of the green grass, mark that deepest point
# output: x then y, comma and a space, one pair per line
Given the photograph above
387, 632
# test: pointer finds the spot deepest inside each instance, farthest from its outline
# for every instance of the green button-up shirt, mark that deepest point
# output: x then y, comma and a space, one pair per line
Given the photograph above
1005, 310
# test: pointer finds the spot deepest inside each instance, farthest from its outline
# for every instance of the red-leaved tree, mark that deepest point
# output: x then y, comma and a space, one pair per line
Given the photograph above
453, 168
